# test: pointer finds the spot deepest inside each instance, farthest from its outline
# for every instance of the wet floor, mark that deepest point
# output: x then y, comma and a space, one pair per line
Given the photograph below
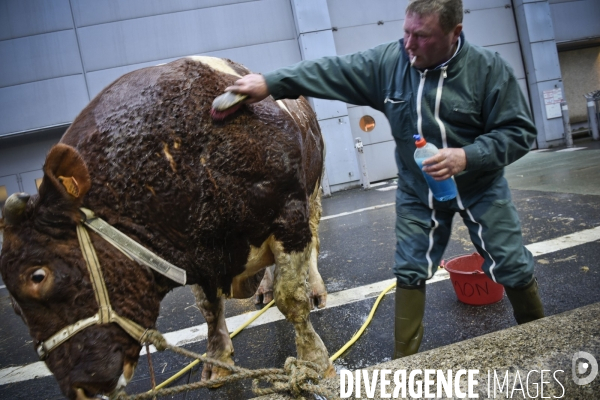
556, 192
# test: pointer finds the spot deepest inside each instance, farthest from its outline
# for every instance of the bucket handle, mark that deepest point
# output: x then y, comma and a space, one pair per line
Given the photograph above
476, 272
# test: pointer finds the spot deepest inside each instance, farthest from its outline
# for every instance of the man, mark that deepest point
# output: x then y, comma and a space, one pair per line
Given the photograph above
466, 101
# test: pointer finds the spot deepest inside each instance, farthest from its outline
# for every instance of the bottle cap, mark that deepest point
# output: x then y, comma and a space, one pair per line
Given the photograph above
419, 141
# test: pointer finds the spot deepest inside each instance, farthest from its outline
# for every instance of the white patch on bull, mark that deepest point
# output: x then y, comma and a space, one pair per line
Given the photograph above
259, 258
218, 64
282, 105
122, 382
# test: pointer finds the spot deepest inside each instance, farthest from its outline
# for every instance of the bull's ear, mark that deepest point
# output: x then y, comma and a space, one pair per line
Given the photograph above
65, 172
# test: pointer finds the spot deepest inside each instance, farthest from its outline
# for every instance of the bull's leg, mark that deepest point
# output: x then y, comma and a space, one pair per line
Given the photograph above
292, 298
264, 293
219, 343
318, 293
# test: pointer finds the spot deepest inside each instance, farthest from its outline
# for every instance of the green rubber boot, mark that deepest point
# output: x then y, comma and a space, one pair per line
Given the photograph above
526, 302
408, 326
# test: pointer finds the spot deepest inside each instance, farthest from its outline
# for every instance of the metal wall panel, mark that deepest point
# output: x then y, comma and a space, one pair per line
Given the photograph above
263, 57
537, 71
511, 52
545, 60
11, 184
320, 44
24, 155
41, 104
539, 22
382, 131
28, 180
482, 26
260, 58
576, 20
193, 32
382, 161
483, 4
490, 27
19, 18
311, 15
39, 57
93, 12
342, 168
523, 85
316, 44
357, 38
345, 13
551, 130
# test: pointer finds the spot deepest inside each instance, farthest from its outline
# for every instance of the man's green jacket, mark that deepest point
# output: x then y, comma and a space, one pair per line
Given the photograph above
474, 101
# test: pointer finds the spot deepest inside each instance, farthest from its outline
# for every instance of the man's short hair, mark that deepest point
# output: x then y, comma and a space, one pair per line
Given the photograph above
450, 12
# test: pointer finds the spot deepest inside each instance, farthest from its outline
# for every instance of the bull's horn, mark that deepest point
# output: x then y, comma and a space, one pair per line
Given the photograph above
14, 208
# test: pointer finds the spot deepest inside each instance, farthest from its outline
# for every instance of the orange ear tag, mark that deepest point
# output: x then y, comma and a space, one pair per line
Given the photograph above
70, 185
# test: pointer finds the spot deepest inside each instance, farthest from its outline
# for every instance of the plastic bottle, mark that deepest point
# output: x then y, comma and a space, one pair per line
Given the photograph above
442, 190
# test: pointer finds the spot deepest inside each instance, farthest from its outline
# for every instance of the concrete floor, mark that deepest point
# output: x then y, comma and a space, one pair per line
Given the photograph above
556, 192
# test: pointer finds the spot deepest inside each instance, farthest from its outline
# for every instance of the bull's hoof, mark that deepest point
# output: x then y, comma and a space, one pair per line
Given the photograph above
318, 300
210, 372
330, 372
263, 297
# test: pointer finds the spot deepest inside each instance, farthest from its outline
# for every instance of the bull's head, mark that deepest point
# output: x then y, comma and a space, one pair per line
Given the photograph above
43, 269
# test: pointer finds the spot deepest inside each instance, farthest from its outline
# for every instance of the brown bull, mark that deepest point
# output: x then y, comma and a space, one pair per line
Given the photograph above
221, 200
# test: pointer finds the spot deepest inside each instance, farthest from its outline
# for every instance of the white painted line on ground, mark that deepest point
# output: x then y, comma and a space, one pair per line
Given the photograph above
380, 184
385, 189
539, 151
24, 373
564, 242
571, 149
199, 332
356, 211
2, 287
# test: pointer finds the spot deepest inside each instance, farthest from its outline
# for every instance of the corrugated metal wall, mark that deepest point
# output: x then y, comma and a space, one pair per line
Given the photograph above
57, 57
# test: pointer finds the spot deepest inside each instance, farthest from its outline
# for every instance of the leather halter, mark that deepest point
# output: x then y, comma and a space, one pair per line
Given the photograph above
106, 314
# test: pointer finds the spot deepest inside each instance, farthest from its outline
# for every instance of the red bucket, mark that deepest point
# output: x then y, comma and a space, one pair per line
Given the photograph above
471, 285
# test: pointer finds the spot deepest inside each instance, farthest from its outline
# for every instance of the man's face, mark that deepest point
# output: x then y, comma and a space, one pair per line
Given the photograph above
425, 40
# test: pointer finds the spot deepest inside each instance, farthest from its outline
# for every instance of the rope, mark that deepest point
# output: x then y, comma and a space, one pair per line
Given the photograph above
150, 366
296, 376
195, 362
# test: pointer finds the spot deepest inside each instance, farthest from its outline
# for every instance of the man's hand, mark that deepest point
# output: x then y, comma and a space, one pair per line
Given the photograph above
446, 163
253, 85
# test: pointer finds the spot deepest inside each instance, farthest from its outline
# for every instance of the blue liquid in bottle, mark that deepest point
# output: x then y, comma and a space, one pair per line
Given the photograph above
442, 190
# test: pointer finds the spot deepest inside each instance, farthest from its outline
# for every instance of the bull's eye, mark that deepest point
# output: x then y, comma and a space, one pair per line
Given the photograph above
38, 275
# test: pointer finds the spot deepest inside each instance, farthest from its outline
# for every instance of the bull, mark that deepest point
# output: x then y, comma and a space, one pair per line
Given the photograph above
221, 200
